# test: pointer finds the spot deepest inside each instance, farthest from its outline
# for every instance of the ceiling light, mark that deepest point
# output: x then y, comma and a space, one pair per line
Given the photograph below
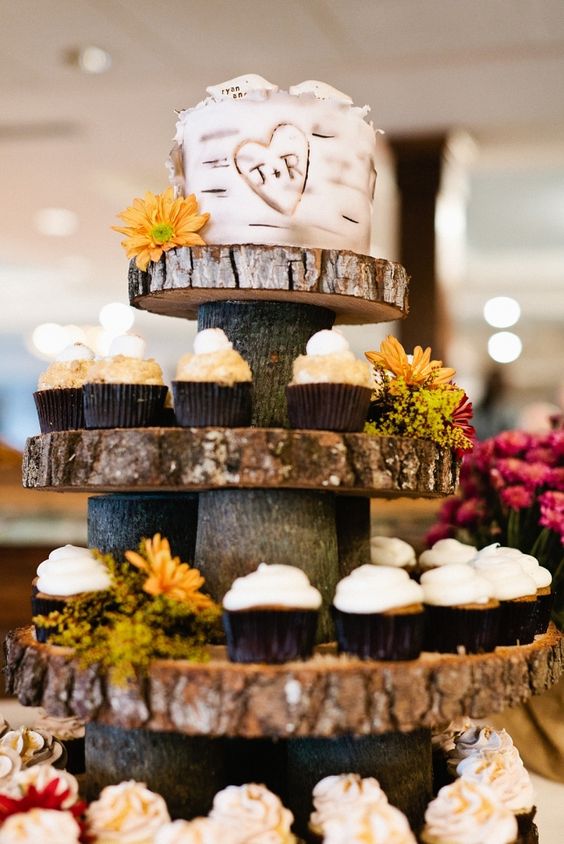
94, 59
116, 317
49, 338
56, 222
502, 311
504, 346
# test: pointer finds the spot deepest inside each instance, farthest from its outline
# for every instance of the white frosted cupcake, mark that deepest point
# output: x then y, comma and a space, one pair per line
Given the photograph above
271, 615
124, 390
475, 741
378, 614
128, 813
467, 812
254, 813
330, 388
391, 551
517, 593
40, 826
442, 743
461, 614
342, 794
375, 824
40, 777
58, 399
446, 552
213, 385
197, 831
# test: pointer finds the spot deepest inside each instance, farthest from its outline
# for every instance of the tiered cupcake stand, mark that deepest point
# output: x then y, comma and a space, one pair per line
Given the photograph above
230, 498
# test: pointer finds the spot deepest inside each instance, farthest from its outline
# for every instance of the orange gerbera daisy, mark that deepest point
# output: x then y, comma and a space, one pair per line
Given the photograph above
167, 575
420, 369
158, 223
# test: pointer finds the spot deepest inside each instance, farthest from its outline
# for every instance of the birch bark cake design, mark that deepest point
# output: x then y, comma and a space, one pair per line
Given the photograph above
278, 167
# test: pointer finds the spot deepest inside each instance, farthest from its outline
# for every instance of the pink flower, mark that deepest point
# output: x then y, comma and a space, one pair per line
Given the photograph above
552, 511
541, 454
552, 500
439, 531
448, 509
517, 497
497, 479
483, 455
555, 441
470, 512
517, 471
510, 443
556, 479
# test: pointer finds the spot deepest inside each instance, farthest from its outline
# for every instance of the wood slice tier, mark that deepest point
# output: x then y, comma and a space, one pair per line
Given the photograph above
358, 288
165, 459
326, 696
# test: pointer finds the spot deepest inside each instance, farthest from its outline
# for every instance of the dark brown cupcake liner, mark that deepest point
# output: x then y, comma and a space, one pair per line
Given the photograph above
517, 623
76, 762
396, 636
543, 612
59, 409
198, 404
328, 407
123, 405
271, 636
527, 829
43, 605
448, 629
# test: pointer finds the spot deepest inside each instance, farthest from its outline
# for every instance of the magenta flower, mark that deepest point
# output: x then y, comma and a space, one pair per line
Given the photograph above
556, 479
517, 471
439, 531
510, 443
517, 497
470, 512
555, 441
449, 508
482, 456
552, 500
541, 454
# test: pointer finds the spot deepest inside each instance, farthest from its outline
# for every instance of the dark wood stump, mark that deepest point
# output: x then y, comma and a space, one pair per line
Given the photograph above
401, 762
353, 532
358, 288
269, 335
238, 529
117, 523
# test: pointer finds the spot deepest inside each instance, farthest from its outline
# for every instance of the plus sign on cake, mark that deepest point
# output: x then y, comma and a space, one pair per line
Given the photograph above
293, 168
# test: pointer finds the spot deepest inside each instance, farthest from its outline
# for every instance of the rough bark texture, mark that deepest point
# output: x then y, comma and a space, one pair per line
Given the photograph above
269, 335
240, 528
163, 459
117, 523
327, 696
358, 288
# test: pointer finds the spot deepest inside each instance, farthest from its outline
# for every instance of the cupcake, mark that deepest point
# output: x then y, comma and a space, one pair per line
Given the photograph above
504, 773
271, 615
69, 572
213, 385
62, 783
128, 813
468, 812
378, 614
517, 594
48, 826
444, 553
342, 794
254, 813
70, 733
34, 747
58, 398
391, 551
496, 553
330, 388
442, 743
197, 831
475, 741
461, 614
123, 390
375, 824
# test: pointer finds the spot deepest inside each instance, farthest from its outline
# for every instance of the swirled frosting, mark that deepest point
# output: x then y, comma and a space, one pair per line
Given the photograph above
34, 747
340, 794
255, 813
328, 359
496, 554
128, 813
214, 359
503, 772
377, 823
467, 812
40, 776
508, 580
371, 589
198, 831
445, 739
47, 826
391, 551
70, 571
447, 551
273, 586
476, 740
455, 585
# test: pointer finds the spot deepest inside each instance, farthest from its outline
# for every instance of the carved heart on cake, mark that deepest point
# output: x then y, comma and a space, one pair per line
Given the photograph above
276, 171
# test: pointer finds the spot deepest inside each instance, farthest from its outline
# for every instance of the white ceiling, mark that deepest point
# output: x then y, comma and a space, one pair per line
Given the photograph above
91, 143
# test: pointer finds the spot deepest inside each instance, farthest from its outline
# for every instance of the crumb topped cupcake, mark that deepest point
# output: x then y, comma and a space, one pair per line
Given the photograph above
342, 794
461, 613
467, 812
255, 813
271, 615
330, 388
59, 395
378, 614
391, 551
213, 385
124, 390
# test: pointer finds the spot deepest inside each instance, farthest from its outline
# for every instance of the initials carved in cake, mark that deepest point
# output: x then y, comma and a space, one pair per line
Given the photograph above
276, 171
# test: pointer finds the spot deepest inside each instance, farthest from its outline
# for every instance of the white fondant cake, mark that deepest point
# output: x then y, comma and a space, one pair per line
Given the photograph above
292, 168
